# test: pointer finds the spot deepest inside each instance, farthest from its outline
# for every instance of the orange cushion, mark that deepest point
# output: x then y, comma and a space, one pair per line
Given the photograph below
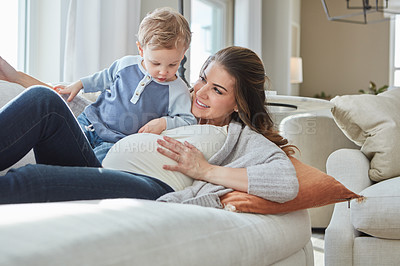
315, 189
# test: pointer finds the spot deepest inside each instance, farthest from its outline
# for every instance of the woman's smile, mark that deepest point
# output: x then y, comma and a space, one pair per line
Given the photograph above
201, 104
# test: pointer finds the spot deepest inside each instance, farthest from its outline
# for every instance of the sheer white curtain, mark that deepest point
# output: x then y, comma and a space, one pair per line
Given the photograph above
247, 26
98, 33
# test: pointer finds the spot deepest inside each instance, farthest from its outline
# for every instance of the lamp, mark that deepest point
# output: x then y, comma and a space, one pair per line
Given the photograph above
296, 70
368, 8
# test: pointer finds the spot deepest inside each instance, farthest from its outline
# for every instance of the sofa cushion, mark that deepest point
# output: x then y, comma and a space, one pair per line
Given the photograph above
315, 189
141, 232
370, 121
378, 214
9, 91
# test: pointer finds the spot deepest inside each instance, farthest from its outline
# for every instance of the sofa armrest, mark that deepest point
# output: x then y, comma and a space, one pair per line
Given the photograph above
350, 167
339, 237
78, 104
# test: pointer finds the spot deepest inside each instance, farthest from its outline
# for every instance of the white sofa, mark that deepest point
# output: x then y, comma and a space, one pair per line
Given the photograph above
140, 232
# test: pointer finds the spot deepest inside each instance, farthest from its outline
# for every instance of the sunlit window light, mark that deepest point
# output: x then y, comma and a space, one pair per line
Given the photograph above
9, 31
396, 81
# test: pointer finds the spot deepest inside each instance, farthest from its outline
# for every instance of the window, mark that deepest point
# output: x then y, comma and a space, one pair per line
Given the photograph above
396, 51
9, 31
211, 31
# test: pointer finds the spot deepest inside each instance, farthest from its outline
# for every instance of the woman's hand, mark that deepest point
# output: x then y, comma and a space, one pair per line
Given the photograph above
190, 161
72, 89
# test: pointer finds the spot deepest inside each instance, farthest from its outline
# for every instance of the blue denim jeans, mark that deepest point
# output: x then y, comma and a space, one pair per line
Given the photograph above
67, 167
100, 147
48, 183
40, 119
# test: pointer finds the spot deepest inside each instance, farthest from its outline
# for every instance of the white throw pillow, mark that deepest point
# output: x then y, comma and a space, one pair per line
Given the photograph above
373, 122
379, 213
138, 153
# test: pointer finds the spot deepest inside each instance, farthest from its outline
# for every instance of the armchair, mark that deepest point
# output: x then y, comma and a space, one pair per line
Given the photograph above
368, 231
346, 243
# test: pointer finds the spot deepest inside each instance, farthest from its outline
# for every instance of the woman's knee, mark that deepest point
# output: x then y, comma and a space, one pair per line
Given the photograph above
41, 92
45, 97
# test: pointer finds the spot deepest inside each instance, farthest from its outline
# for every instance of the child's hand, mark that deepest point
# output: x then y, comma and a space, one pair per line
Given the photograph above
155, 126
72, 89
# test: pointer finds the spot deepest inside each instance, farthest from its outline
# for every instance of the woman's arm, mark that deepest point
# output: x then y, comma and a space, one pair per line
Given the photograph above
268, 172
26, 81
235, 178
191, 162
8, 73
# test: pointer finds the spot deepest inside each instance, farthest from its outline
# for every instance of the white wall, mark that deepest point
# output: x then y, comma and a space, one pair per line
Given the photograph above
341, 58
150, 5
277, 42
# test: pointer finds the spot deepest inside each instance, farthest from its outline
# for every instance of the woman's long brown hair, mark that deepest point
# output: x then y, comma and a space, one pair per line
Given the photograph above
248, 70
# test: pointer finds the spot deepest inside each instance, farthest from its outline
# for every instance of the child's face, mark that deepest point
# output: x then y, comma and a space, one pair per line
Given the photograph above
162, 64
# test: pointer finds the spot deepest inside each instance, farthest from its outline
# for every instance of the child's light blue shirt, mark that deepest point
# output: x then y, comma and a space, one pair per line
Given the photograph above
131, 97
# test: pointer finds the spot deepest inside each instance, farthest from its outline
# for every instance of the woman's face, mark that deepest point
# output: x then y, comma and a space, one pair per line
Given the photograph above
214, 97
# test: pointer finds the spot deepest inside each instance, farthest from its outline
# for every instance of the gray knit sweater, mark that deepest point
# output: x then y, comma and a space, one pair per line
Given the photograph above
270, 172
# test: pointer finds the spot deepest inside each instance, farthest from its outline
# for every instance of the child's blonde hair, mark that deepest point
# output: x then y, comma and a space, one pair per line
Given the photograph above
164, 28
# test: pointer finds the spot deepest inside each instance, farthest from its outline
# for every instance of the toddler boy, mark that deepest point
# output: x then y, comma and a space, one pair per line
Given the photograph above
143, 93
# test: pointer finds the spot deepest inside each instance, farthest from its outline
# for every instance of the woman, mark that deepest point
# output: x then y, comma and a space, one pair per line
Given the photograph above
229, 92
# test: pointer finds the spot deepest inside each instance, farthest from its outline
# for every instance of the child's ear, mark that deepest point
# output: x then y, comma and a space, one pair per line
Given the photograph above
183, 56
140, 49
